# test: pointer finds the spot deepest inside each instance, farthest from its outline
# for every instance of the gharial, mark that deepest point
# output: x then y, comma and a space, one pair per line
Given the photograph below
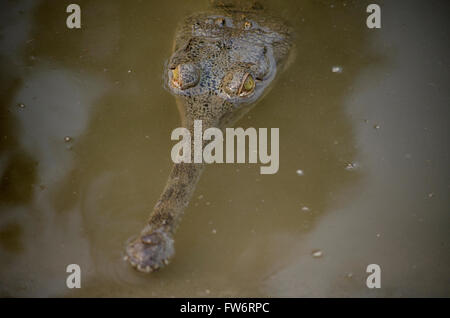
223, 61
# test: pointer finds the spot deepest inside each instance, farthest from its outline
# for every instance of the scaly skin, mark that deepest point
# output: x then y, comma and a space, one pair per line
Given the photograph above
223, 62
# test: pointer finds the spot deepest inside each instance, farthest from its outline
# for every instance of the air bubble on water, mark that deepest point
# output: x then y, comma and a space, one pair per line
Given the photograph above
305, 209
337, 69
208, 203
376, 126
207, 291
300, 172
67, 139
378, 234
200, 197
21, 105
431, 194
214, 231
352, 166
317, 253
350, 275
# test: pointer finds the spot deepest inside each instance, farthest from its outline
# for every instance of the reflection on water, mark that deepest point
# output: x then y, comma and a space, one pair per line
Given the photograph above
85, 152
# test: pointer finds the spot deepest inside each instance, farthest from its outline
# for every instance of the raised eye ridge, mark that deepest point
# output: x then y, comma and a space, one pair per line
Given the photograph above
185, 76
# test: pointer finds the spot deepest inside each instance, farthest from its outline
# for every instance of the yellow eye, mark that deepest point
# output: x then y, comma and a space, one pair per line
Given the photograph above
248, 85
176, 76
185, 76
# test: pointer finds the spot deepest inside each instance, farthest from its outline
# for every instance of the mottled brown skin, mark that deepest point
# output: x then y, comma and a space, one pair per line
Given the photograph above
217, 56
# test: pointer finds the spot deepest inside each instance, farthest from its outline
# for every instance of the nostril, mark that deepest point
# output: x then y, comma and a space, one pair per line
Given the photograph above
151, 239
185, 76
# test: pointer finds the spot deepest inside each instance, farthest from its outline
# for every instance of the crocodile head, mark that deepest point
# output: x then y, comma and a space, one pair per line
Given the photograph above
223, 63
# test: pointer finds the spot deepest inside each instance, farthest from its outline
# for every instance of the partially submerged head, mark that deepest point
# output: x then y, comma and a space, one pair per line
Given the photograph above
224, 61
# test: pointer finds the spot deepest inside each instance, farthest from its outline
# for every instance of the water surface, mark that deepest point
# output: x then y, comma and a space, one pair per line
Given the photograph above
85, 152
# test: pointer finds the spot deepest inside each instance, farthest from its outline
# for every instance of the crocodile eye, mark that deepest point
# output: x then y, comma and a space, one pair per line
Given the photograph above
176, 76
185, 76
247, 86
238, 83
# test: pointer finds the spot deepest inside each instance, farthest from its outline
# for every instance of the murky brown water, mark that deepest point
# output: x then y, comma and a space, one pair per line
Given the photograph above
372, 142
